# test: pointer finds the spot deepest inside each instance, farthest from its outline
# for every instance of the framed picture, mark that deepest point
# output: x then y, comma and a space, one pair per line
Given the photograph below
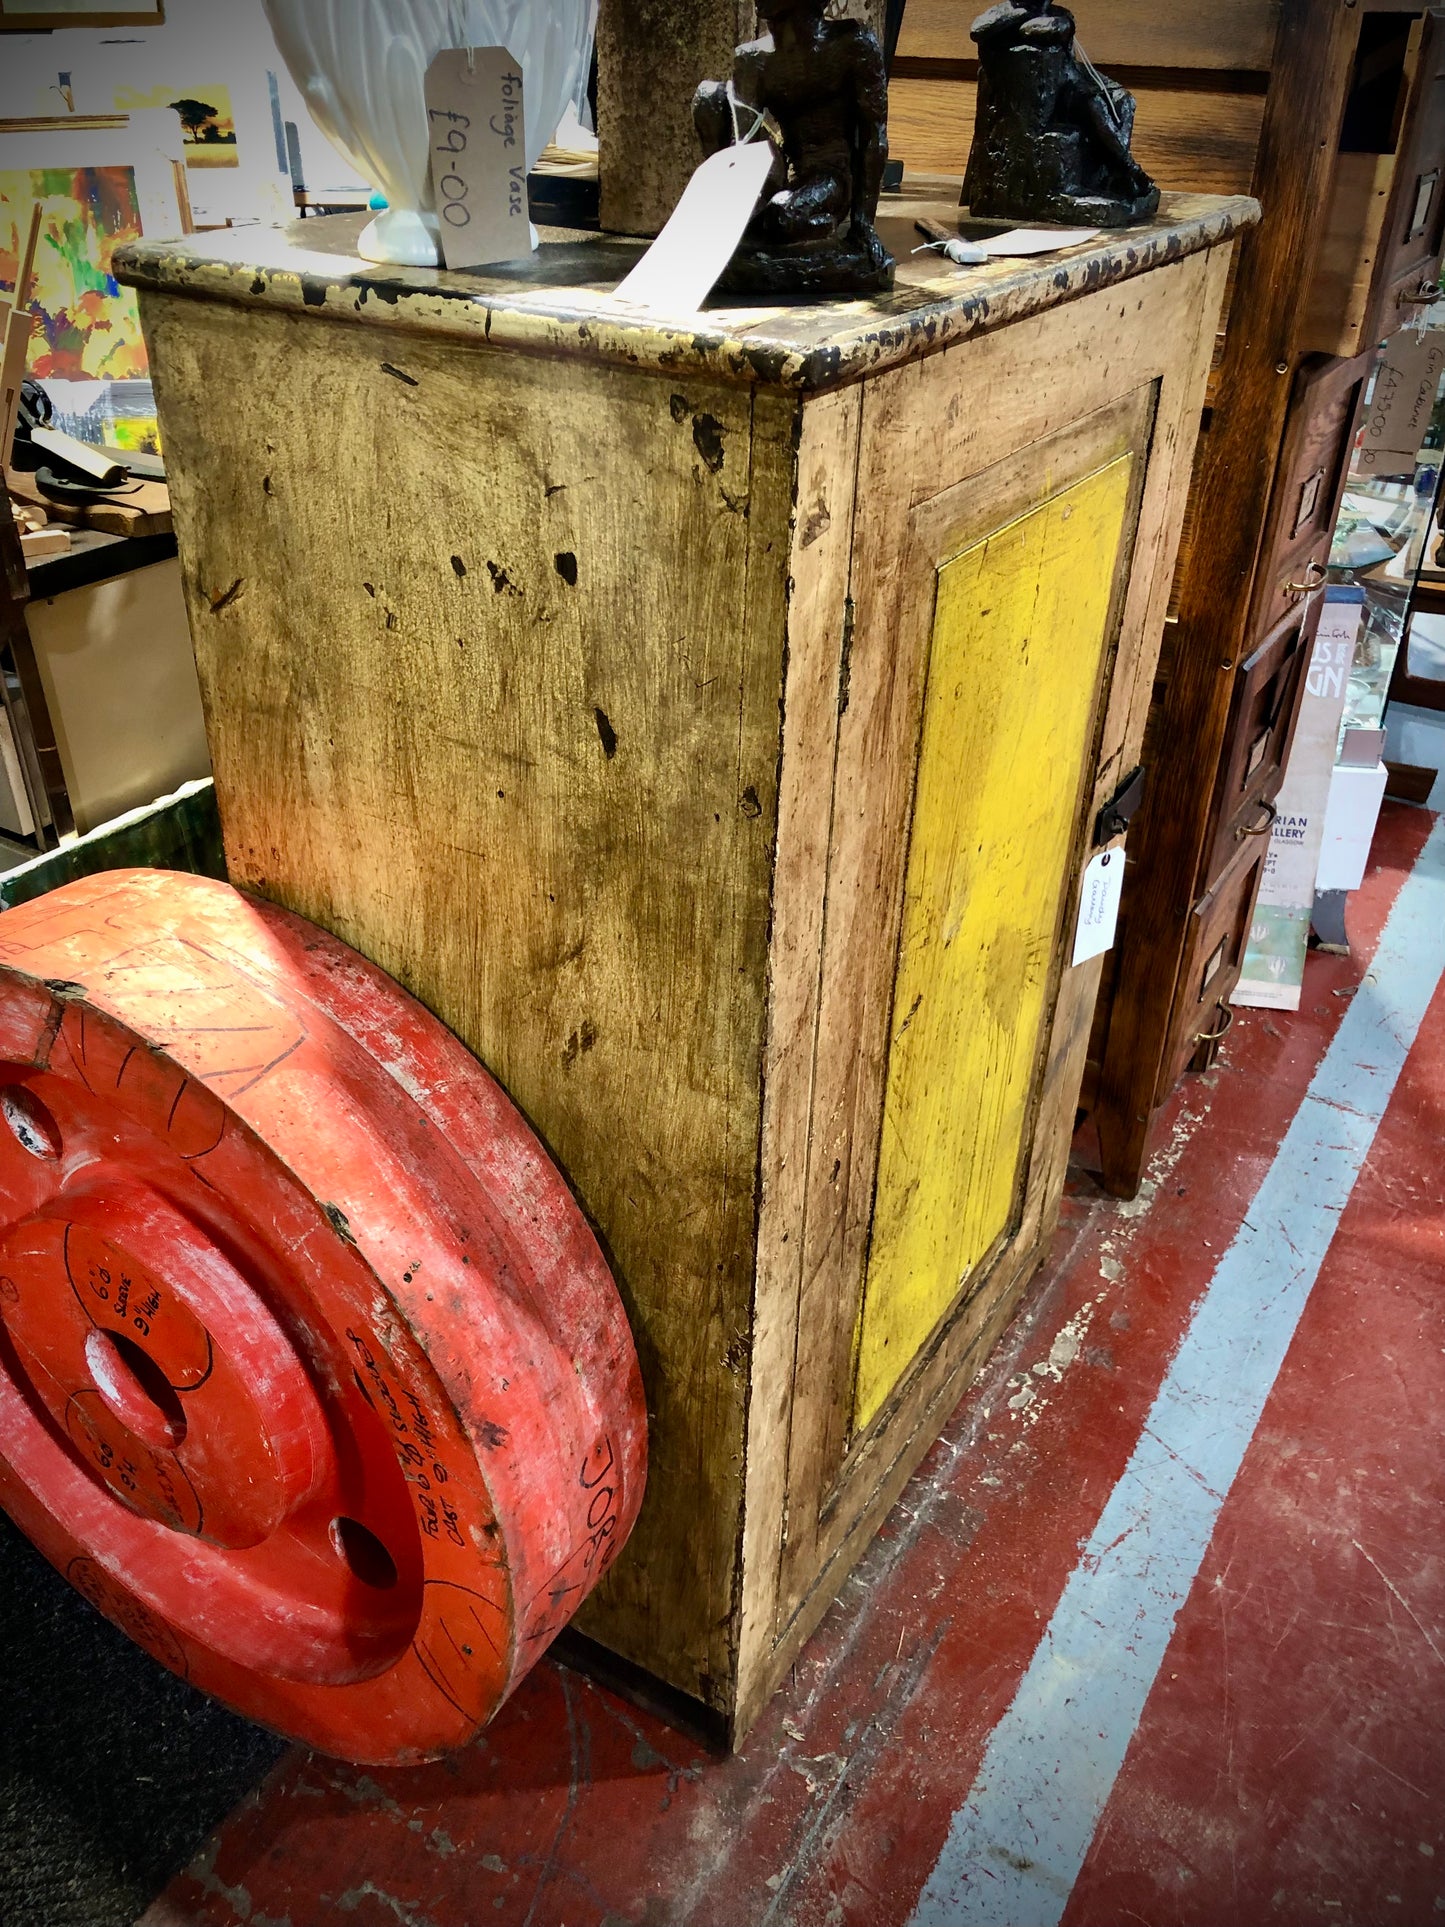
97, 189
36, 16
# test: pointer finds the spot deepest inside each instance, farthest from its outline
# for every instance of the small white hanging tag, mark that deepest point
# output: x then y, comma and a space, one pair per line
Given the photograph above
1099, 905
477, 137
677, 273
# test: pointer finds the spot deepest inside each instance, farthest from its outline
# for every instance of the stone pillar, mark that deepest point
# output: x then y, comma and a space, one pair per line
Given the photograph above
651, 57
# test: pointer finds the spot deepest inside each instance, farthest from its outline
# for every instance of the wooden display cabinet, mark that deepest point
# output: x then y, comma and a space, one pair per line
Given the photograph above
1380, 257
1272, 463
709, 719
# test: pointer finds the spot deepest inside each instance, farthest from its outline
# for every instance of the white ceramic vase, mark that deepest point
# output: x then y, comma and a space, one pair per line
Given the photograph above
361, 65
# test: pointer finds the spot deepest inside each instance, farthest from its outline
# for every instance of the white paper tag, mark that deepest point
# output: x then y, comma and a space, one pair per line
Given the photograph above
677, 273
1099, 905
1036, 240
477, 137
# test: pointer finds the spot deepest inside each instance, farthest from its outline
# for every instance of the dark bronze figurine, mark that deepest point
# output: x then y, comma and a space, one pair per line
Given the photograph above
1051, 139
822, 86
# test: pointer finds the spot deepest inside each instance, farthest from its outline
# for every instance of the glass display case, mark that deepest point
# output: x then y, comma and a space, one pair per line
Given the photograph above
1388, 542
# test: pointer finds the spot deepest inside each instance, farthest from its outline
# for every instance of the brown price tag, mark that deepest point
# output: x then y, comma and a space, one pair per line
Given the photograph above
477, 137
1402, 402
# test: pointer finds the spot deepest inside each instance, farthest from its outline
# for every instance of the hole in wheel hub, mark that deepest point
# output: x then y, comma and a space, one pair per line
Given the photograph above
365, 1556
136, 1389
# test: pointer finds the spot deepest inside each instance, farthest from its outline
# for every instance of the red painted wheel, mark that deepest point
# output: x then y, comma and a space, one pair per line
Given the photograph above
312, 1376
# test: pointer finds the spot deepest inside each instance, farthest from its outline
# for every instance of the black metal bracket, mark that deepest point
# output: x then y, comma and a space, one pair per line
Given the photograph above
1119, 811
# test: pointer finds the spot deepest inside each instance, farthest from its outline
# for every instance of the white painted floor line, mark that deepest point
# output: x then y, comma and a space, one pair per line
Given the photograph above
1015, 1847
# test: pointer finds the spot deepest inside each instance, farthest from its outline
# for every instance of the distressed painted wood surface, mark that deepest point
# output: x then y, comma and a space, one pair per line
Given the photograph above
561, 302
1013, 680
949, 450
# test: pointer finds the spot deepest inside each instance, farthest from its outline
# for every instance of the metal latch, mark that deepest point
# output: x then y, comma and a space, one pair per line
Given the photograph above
1118, 812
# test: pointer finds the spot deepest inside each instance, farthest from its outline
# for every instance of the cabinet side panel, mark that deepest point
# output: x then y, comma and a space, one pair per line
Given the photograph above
491, 651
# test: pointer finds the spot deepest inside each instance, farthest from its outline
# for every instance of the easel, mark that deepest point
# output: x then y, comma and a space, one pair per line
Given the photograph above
15, 325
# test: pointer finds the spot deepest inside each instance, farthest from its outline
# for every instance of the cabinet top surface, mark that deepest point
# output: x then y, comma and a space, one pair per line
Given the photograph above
562, 300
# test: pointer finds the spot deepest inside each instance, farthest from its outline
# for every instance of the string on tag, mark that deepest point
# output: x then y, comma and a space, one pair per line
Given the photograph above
461, 34
759, 114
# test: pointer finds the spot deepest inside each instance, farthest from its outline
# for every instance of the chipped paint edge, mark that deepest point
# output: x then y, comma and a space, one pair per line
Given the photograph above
429, 302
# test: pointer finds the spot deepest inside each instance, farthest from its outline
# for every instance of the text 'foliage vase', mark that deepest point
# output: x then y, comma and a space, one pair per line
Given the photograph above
361, 68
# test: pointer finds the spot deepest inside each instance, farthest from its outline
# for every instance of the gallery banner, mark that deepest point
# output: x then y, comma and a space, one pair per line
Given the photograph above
1279, 937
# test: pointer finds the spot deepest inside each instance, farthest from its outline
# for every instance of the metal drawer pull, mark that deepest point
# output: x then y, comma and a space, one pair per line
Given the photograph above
1428, 290
1271, 817
1308, 587
1213, 1036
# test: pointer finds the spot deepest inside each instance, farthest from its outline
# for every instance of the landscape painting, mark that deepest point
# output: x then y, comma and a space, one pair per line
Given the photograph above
208, 128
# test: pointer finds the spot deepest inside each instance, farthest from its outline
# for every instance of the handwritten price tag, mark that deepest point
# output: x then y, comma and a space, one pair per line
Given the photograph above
477, 135
1099, 905
1402, 401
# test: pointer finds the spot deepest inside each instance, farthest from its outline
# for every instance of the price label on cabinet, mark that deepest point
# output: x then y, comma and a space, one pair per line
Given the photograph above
1099, 905
476, 133
1401, 402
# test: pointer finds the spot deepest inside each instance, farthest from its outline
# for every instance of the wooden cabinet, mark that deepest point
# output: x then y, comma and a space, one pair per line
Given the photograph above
1343, 164
1385, 219
1267, 695
1314, 463
709, 720
1213, 958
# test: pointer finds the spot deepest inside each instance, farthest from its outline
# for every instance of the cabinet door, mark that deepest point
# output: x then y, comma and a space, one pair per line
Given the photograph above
1415, 225
1383, 226
1313, 466
1265, 709
1218, 936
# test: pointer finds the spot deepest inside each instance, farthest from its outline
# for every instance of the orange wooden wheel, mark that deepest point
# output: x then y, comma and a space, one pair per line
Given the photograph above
312, 1376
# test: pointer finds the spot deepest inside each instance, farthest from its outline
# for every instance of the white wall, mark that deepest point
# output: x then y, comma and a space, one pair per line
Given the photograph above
202, 43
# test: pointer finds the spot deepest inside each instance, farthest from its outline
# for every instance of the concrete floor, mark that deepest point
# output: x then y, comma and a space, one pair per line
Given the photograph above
1156, 1635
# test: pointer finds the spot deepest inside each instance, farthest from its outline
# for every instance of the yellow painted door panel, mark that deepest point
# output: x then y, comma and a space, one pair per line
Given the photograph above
1020, 629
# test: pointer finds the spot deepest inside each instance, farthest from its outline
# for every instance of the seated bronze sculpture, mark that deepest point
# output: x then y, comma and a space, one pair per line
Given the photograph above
818, 90
1051, 138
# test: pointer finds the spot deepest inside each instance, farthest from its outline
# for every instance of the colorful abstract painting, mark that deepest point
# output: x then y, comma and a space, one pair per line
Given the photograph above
87, 327
208, 129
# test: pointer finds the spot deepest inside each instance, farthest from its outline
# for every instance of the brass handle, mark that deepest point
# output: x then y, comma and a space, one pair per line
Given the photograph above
1271, 817
1428, 290
1213, 1036
1308, 587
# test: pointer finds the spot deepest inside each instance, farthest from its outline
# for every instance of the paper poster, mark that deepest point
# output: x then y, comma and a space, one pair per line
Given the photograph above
1274, 963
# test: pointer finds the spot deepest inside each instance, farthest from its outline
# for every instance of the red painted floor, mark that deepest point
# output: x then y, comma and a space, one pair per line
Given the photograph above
1290, 1763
